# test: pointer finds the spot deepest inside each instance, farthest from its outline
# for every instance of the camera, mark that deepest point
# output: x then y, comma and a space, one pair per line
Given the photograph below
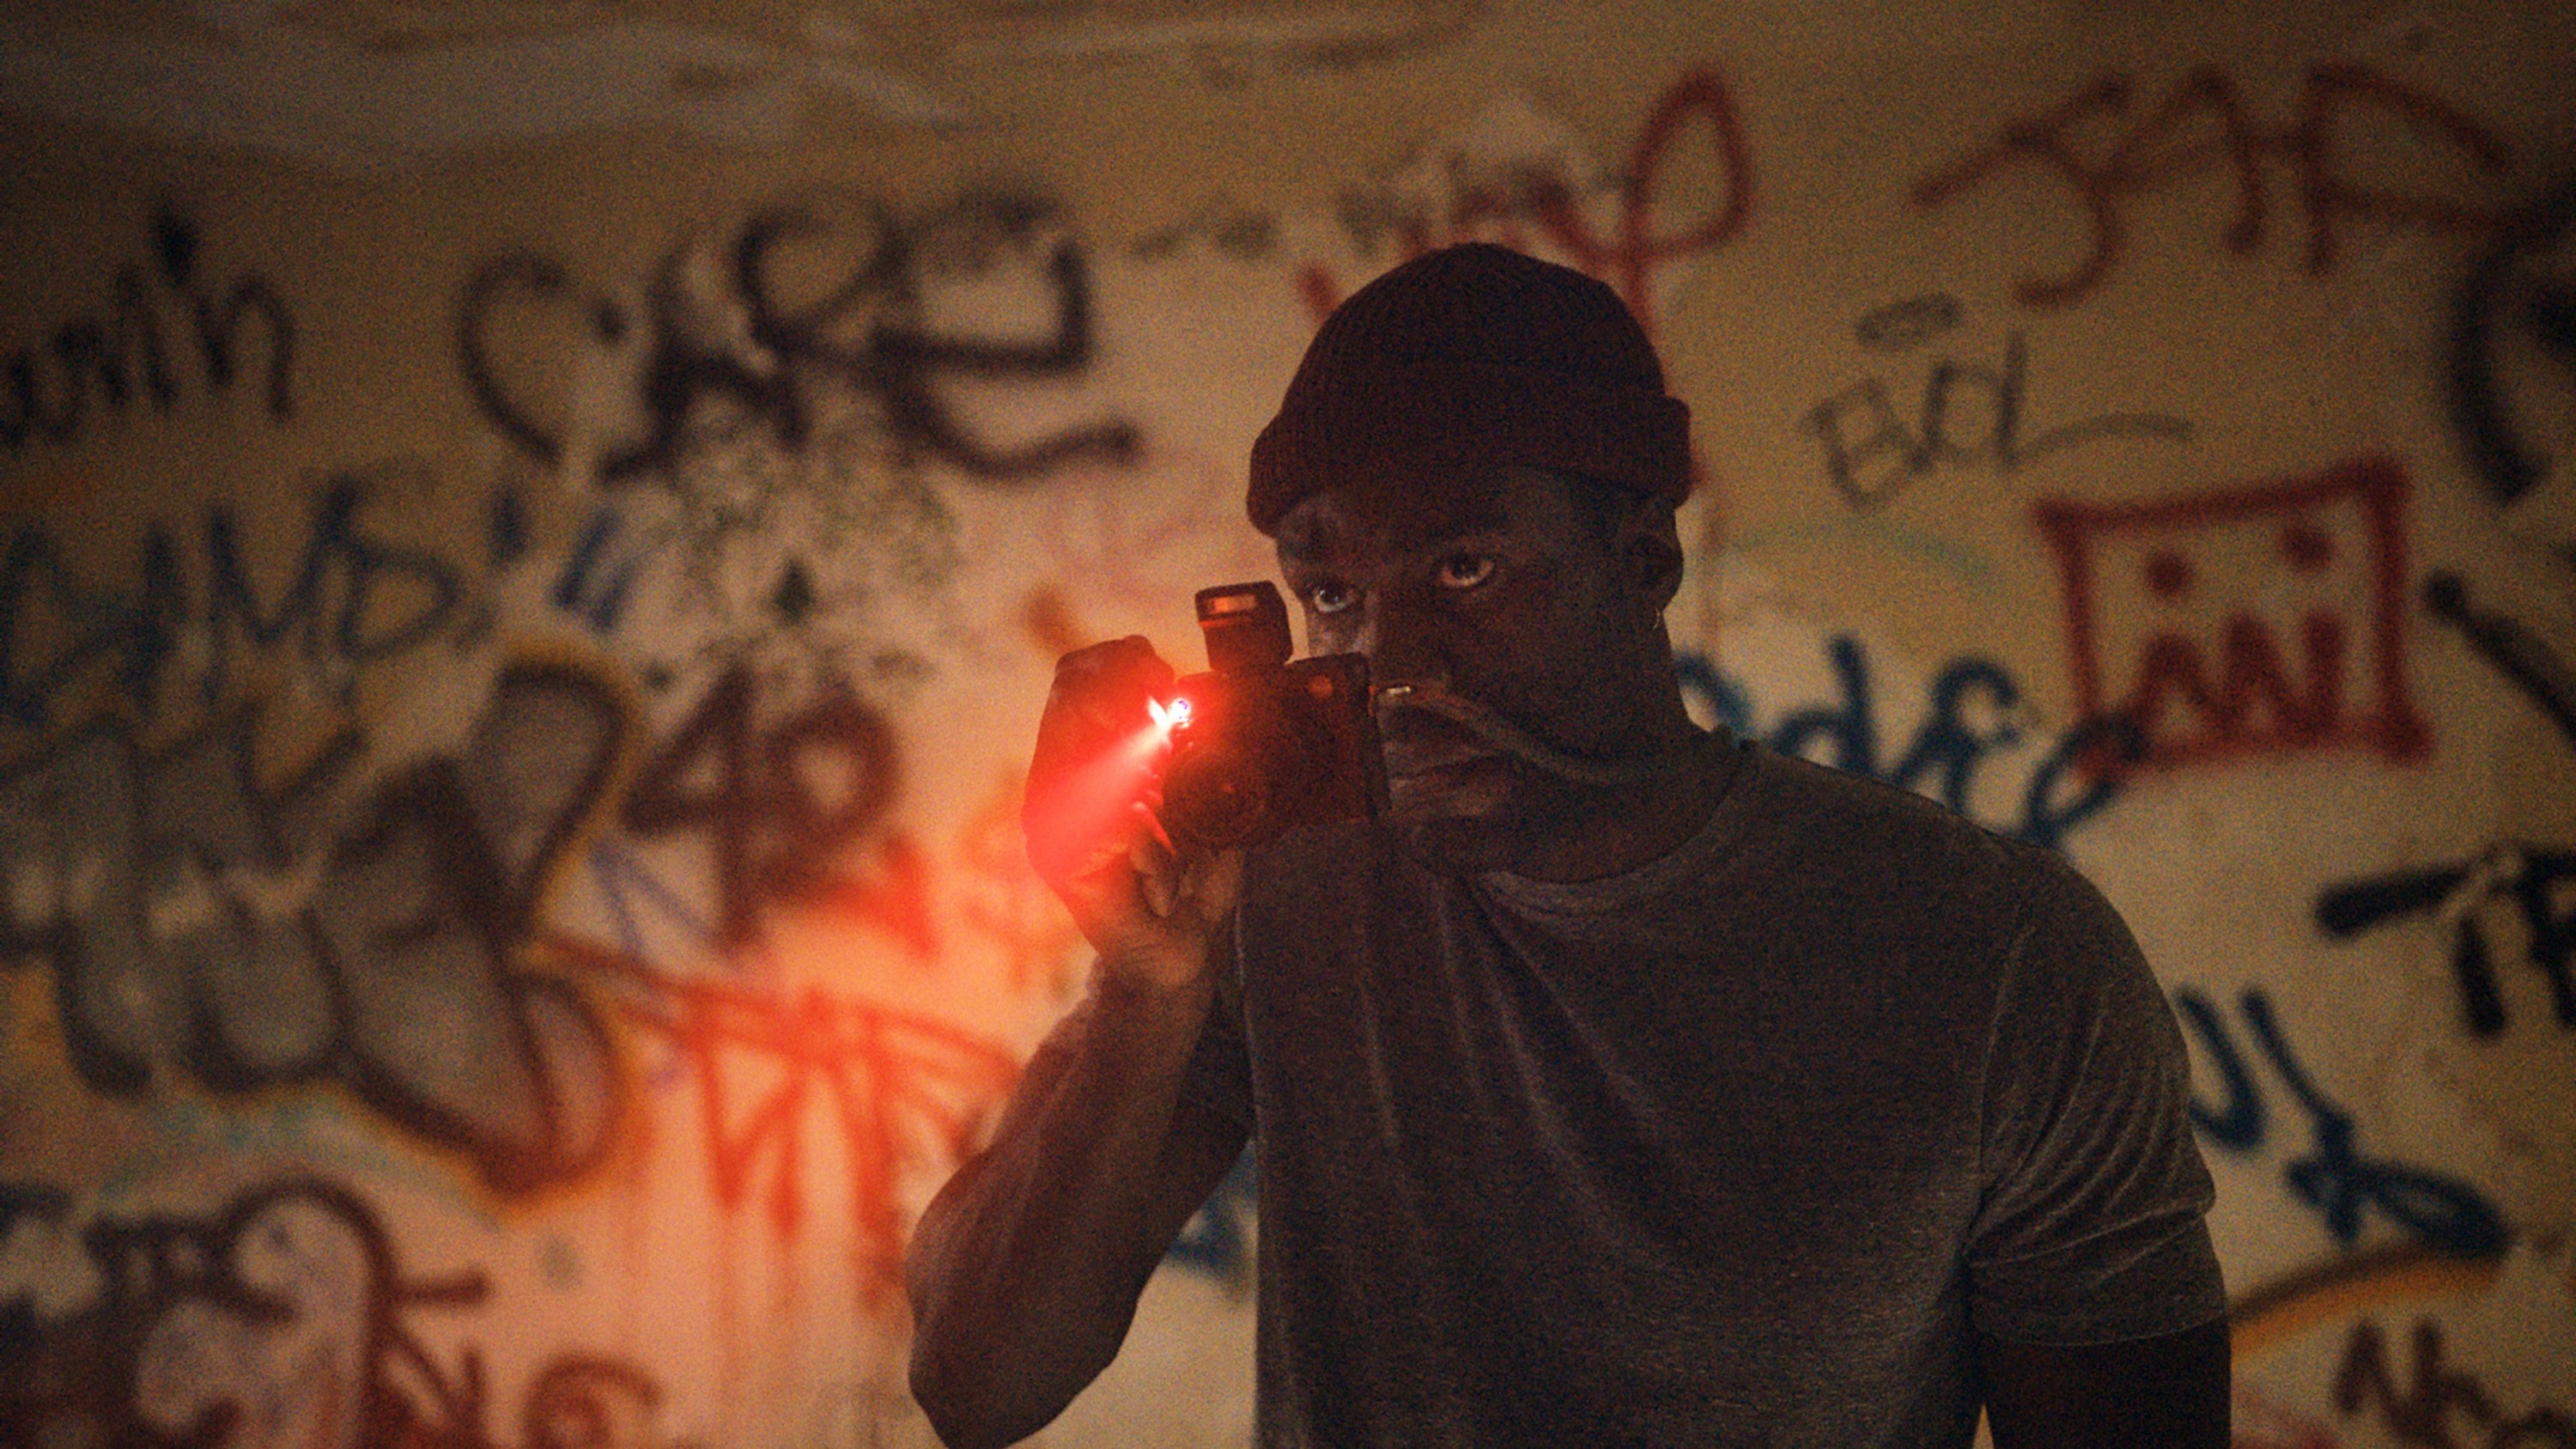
1261, 746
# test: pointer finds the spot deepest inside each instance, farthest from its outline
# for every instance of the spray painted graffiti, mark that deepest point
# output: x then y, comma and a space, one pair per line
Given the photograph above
2296, 586
908, 1093
2202, 125
809, 313
2518, 653
1540, 210
1858, 426
1218, 1239
2332, 1177
118, 355
2519, 292
1971, 717
778, 804
2435, 1396
2428, 1399
280, 1322
200, 927
2536, 882
354, 599
1001, 900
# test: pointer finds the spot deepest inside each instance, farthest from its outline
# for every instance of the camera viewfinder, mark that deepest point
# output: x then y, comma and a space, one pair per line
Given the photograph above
1246, 627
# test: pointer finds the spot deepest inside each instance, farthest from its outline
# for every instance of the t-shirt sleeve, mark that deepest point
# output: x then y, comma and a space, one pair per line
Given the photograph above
1219, 1077
2093, 1227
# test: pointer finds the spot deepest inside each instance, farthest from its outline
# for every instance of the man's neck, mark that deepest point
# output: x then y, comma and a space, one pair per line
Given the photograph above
1605, 830
1576, 832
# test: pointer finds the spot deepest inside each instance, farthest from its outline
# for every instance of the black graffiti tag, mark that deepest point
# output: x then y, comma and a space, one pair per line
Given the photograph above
2519, 299
203, 924
799, 314
777, 802
117, 355
282, 1318
1970, 415
2536, 882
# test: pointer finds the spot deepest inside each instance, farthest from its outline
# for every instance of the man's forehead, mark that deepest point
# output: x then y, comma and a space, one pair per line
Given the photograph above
1418, 512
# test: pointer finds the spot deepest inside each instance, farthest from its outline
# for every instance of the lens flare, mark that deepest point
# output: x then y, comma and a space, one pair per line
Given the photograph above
1086, 810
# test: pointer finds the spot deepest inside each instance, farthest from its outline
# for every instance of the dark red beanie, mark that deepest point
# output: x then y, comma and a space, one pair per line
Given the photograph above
1473, 357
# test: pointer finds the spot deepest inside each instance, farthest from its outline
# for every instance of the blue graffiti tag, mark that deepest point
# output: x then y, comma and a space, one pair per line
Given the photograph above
352, 600
2332, 1177
1218, 1238
1947, 750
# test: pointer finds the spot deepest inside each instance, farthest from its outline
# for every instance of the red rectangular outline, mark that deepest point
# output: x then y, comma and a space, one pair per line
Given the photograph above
2393, 728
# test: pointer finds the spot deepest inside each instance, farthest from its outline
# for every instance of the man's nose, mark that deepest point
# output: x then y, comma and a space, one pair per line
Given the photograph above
1404, 643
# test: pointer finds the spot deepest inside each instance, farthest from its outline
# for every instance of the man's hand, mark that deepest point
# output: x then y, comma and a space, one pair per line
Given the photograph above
1151, 913
1024, 1271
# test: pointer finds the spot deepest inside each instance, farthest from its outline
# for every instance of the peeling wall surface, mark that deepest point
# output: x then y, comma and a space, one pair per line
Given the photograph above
533, 539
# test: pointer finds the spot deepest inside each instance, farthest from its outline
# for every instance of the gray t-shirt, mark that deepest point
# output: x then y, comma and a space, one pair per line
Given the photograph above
1731, 1149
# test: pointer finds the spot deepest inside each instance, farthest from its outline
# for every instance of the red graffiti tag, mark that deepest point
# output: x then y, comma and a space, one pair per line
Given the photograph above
2296, 588
2202, 126
909, 1093
1002, 900
1540, 212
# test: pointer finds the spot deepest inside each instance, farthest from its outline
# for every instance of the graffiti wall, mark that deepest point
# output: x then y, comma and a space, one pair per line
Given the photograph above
532, 542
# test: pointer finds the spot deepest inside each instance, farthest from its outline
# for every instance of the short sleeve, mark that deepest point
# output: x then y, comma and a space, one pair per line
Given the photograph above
2092, 1226
1219, 1076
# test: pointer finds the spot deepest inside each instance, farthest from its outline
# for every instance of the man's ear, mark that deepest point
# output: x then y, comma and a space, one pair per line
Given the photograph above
1648, 547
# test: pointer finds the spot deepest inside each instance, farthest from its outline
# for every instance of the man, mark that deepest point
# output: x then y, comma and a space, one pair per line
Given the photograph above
1627, 1085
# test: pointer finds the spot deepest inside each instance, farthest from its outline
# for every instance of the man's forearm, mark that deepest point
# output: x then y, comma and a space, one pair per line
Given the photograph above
1025, 1269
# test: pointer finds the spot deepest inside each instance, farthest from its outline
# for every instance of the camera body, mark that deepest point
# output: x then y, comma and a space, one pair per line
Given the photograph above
1261, 746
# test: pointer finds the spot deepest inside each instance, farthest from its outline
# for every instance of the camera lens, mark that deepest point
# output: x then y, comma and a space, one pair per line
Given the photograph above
1214, 797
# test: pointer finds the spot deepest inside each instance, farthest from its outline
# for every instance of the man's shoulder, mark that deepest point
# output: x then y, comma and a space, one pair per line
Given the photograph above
1819, 818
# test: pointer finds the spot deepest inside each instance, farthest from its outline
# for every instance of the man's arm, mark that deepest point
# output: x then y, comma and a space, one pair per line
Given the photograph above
2155, 1393
1025, 1270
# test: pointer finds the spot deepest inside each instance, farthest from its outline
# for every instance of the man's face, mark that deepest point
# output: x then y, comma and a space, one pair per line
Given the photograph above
1501, 590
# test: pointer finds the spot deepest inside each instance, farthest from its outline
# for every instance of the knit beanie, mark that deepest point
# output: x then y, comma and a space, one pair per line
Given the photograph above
1472, 358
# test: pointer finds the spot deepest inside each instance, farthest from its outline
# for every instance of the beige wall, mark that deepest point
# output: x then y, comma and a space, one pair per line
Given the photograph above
509, 727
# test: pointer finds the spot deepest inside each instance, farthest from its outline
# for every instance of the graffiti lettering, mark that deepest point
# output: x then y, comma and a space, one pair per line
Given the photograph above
2332, 1177
909, 1093
2436, 1396
1971, 718
355, 599
2154, 588
1858, 427
283, 1320
2520, 289
748, 339
2202, 125
1217, 1240
197, 923
2536, 881
2517, 653
1539, 211
777, 804
1245, 235
119, 354
1002, 900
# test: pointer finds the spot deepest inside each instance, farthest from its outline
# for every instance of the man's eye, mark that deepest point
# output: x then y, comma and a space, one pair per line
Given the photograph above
1465, 571
1328, 598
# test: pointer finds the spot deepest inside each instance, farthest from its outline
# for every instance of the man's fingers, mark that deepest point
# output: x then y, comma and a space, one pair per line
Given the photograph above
1158, 874
1215, 883
1104, 684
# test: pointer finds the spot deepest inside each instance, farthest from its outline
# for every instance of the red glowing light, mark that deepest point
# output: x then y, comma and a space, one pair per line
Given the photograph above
1090, 809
